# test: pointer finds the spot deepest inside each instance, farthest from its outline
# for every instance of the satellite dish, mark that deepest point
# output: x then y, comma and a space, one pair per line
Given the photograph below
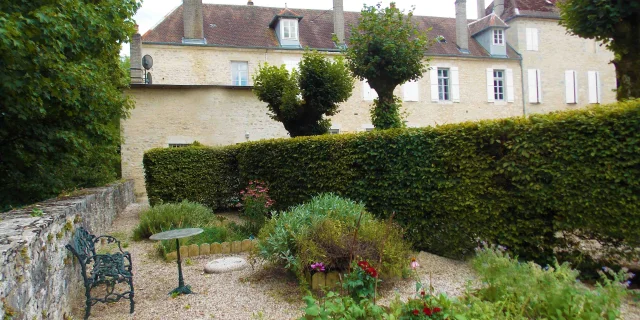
147, 61
149, 79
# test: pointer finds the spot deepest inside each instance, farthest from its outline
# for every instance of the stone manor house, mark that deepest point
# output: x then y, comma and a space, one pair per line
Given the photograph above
512, 61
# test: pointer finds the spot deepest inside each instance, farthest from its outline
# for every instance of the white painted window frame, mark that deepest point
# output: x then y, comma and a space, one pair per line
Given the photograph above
498, 37
236, 71
290, 25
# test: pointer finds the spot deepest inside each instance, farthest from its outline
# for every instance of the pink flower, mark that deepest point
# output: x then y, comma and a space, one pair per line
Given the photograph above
414, 263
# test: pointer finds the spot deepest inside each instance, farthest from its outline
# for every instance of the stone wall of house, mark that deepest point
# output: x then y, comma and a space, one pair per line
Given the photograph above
212, 116
40, 278
558, 52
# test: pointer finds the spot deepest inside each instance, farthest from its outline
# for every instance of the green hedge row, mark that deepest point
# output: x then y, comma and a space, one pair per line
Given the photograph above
519, 182
201, 174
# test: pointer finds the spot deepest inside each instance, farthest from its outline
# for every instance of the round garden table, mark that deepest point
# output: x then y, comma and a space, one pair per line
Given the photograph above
178, 234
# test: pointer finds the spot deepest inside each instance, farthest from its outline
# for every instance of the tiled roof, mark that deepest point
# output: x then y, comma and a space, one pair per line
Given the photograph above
491, 20
530, 8
248, 26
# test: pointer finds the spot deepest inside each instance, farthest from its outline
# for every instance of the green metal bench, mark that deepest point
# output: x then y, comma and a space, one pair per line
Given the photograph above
98, 269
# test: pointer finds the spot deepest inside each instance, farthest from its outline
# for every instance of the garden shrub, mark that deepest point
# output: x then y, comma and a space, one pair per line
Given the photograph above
520, 182
322, 230
508, 290
195, 173
515, 290
255, 204
171, 216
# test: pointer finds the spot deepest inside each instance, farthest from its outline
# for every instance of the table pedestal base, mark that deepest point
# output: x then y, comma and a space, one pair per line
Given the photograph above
181, 290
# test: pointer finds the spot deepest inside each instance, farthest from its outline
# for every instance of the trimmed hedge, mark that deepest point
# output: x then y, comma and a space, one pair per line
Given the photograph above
518, 181
201, 174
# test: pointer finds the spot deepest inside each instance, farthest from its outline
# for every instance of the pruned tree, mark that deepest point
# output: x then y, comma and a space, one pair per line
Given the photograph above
617, 24
302, 99
387, 49
60, 95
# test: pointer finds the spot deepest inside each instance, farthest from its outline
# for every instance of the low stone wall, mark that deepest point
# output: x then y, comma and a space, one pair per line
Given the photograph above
40, 278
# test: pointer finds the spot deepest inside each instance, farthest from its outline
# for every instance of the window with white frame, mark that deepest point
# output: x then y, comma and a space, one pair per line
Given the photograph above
571, 86
595, 94
498, 85
334, 131
240, 73
535, 85
532, 39
498, 37
445, 84
444, 93
289, 29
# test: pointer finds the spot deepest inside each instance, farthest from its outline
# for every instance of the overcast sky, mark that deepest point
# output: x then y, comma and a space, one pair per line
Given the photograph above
153, 11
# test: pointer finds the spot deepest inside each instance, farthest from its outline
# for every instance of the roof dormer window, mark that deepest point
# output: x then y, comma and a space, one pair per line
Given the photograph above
498, 37
289, 29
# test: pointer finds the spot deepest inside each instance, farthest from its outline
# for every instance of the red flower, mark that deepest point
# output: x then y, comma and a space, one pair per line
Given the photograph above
363, 264
427, 311
436, 309
416, 312
372, 272
423, 293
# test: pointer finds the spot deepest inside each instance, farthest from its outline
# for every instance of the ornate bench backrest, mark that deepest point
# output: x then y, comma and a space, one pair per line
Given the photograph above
82, 245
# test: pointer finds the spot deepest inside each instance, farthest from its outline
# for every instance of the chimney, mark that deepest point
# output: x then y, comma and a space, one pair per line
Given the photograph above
462, 28
193, 21
338, 20
249, 3
135, 57
481, 9
498, 7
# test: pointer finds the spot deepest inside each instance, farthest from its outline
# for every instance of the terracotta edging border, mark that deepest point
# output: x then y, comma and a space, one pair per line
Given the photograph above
206, 249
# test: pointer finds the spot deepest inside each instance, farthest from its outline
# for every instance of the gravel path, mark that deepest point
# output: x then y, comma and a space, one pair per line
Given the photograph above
260, 292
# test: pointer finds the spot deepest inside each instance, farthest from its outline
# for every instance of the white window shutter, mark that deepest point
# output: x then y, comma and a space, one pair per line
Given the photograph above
593, 87
366, 91
490, 96
570, 86
455, 84
291, 64
510, 88
433, 78
532, 85
368, 94
598, 87
529, 39
539, 77
411, 91
534, 38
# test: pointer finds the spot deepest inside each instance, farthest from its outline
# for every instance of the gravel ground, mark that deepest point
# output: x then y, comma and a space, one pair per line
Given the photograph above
258, 292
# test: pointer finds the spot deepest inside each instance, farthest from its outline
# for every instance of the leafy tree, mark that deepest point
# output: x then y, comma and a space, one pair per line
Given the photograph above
617, 24
60, 95
302, 99
387, 49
